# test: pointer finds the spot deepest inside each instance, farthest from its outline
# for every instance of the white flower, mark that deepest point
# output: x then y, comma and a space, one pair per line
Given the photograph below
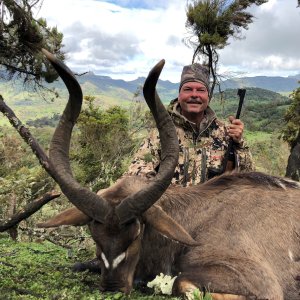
162, 284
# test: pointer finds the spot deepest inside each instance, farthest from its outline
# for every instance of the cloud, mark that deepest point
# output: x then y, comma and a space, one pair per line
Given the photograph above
99, 46
148, 4
120, 41
271, 45
124, 39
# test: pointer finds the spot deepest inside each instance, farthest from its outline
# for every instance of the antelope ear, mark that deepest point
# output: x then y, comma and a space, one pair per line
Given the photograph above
168, 227
71, 216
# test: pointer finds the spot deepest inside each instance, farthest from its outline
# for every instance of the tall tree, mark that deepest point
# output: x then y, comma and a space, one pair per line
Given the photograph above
291, 134
101, 160
212, 23
21, 39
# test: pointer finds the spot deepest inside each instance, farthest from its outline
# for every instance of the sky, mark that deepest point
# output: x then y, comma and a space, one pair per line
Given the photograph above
124, 39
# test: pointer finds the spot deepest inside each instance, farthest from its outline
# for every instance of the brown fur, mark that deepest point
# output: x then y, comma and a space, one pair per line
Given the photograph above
247, 227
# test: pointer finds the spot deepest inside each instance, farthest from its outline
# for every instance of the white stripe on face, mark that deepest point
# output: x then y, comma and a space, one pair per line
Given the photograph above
118, 260
105, 261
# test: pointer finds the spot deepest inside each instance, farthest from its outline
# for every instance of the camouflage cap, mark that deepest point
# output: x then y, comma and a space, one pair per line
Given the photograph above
195, 72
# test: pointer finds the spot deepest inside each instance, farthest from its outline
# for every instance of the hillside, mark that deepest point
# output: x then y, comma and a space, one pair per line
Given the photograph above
104, 85
275, 84
168, 90
110, 91
263, 110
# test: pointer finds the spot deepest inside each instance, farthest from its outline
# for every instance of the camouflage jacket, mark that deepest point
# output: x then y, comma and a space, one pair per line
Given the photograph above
201, 152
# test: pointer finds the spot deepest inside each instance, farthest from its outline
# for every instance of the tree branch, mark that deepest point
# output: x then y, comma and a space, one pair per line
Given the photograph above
16, 69
196, 53
27, 137
28, 210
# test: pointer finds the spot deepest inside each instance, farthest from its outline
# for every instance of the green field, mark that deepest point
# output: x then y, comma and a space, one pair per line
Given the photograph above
42, 270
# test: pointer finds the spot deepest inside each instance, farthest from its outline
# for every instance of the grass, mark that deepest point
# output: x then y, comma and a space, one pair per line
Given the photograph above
257, 136
270, 154
32, 270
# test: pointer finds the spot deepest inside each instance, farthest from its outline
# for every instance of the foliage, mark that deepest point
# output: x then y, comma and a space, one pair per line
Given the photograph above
263, 110
44, 121
21, 39
22, 180
140, 117
291, 134
291, 130
10, 147
212, 23
256, 94
197, 295
22, 187
41, 270
104, 140
269, 153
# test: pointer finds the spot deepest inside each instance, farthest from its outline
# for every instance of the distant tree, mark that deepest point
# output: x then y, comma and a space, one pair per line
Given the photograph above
212, 23
104, 144
291, 134
45, 121
21, 39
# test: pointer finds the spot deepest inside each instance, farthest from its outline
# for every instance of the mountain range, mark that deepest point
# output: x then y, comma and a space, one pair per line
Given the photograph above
275, 84
108, 91
122, 90
169, 90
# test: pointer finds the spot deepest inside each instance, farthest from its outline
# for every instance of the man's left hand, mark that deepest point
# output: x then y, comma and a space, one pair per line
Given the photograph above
236, 129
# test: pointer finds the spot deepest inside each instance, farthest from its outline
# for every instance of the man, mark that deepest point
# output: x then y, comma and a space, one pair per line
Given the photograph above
203, 139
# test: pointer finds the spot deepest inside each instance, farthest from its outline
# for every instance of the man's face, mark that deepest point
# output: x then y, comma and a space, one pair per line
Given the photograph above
193, 99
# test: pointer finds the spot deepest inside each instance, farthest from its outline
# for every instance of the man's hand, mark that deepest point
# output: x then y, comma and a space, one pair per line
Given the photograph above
236, 129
